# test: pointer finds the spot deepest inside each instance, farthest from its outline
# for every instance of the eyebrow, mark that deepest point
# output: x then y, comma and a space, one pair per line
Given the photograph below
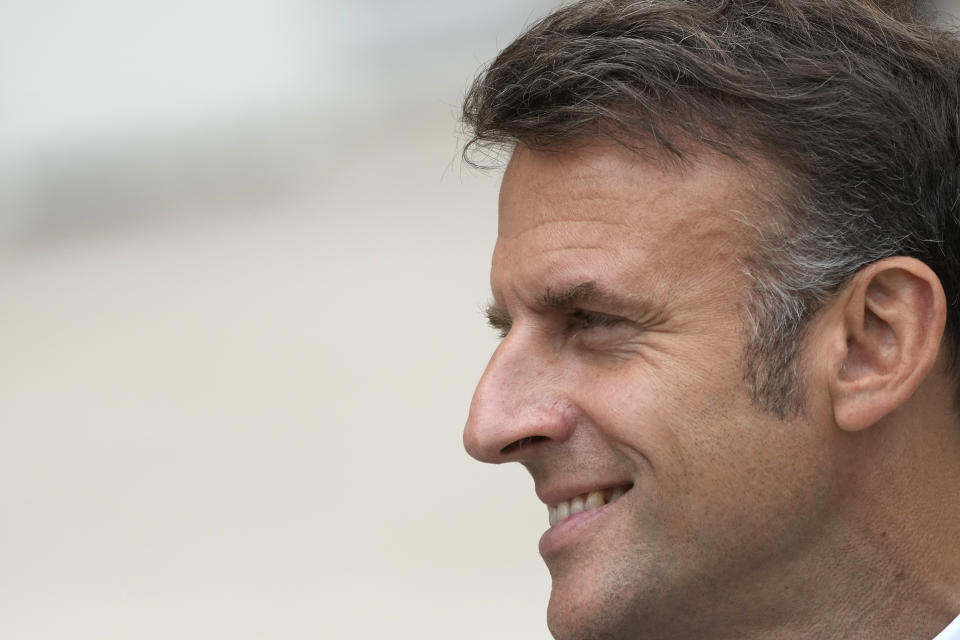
572, 296
587, 293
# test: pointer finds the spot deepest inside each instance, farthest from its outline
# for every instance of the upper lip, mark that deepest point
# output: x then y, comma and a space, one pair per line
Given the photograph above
557, 492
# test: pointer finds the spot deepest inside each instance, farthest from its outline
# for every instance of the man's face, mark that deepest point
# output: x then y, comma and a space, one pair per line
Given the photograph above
620, 372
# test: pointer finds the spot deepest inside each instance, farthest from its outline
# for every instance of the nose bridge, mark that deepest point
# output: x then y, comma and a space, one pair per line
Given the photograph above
519, 399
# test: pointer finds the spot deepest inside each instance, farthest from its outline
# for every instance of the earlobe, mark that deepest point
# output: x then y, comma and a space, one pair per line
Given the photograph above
893, 316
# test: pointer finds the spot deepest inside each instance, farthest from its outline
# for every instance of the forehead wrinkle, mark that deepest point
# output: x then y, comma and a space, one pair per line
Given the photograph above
579, 192
543, 221
577, 247
631, 213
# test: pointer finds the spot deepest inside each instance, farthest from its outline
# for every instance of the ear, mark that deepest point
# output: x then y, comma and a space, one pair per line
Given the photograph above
893, 315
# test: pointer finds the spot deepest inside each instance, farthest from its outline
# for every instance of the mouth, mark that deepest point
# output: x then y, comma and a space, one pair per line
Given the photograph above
585, 502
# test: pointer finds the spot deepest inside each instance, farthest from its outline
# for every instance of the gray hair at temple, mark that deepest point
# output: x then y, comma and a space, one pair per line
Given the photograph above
854, 103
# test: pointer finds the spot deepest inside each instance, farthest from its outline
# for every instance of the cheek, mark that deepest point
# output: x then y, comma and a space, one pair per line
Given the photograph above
708, 447
651, 413
749, 476
661, 432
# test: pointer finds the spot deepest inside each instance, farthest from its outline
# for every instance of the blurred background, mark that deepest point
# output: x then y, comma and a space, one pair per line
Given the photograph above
241, 273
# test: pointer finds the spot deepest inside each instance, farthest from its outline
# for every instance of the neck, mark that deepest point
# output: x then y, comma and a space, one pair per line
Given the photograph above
887, 566
901, 500
886, 563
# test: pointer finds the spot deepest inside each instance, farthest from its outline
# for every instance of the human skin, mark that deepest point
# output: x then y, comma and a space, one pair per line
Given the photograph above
618, 283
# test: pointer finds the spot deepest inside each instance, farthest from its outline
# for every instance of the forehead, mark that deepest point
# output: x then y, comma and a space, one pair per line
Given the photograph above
602, 210
603, 180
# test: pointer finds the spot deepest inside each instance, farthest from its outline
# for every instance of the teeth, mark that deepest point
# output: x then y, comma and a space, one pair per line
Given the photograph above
594, 500
563, 510
576, 505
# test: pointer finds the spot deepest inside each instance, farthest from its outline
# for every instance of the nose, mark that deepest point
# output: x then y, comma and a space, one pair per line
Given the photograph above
518, 405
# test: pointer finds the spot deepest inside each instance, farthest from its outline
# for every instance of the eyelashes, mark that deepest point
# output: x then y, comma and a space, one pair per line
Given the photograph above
499, 320
575, 321
581, 319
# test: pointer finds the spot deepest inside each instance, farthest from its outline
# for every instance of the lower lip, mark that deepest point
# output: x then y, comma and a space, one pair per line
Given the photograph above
558, 537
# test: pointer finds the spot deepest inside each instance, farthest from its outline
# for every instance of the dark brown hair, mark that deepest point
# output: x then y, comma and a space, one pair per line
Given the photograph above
855, 102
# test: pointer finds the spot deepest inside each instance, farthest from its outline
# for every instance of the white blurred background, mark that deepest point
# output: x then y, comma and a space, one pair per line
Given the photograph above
241, 272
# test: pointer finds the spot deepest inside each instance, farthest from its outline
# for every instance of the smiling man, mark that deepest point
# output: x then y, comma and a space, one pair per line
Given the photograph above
727, 278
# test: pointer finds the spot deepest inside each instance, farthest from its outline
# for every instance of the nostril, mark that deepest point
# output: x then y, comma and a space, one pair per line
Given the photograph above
521, 443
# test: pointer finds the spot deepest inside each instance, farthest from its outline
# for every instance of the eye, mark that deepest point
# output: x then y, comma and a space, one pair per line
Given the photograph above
581, 319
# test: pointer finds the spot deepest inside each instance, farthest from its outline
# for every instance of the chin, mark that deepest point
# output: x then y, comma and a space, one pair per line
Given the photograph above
582, 609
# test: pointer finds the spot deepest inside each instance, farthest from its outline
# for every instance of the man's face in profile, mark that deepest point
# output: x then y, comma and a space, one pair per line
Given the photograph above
619, 386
